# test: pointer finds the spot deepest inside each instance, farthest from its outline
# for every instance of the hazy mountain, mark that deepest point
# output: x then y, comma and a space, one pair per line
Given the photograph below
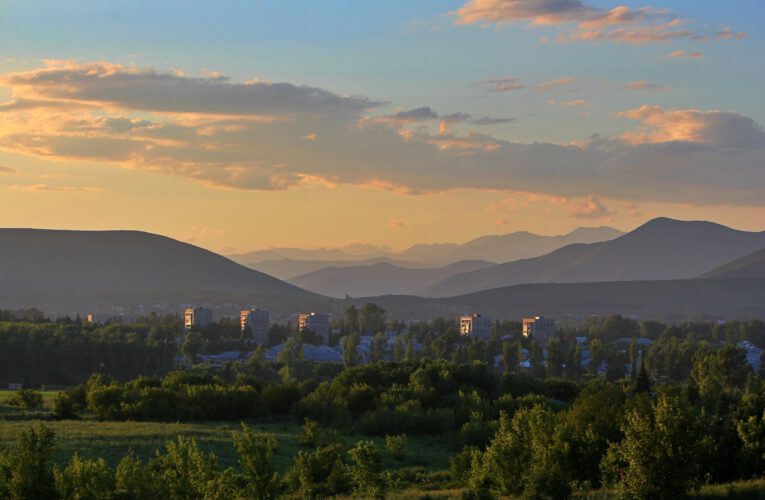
92, 268
670, 300
291, 262
508, 247
286, 269
749, 266
660, 249
379, 279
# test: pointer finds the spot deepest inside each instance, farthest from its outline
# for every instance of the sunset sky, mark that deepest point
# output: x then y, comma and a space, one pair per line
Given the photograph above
242, 125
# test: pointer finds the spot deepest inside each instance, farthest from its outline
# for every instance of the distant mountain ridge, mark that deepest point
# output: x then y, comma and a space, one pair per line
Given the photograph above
382, 278
286, 263
661, 249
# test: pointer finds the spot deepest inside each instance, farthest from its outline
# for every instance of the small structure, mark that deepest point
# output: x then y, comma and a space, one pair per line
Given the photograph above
539, 328
476, 326
318, 323
197, 317
258, 321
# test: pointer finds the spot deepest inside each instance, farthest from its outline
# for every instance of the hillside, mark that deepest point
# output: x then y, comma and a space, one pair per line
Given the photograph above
670, 300
661, 249
91, 269
379, 279
749, 266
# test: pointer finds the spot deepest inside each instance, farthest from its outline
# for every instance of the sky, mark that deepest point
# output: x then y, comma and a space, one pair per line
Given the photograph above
244, 125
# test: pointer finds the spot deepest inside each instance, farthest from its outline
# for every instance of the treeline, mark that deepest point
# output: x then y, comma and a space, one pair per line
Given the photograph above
181, 471
67, 352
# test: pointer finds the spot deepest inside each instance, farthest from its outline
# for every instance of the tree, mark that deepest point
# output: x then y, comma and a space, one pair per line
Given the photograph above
633, 358
292, 357
318, 474
658, 457
367, 470
379, 346
398, 349
350, 346
351, 320
28, 464
63, 407
396, 446
256, 461
85, 480
193, 345
509, 356
642, 381
135, 481
372, 319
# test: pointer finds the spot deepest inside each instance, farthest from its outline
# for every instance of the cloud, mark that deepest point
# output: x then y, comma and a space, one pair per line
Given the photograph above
644, 85
591, 208
505, 84
581, 22
728, 34
675, 54
548, 85
685, 156
717, 128
7, 170
395, 223
103, 83
571, 103
61, 189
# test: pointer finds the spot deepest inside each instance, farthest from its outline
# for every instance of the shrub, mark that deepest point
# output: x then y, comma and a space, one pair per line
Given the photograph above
367, 470
26, 398
396, 446
85, 480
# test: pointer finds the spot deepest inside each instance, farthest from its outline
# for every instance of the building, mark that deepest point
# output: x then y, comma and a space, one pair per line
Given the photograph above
258, 322
197, 317
476, 326
318, 323
539, 328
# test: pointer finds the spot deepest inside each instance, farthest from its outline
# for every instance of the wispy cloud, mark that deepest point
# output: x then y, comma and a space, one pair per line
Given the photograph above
591, 208
7, 170
582, 22
504, 84
571, 103
683, 54
644, 85
548, 85
48, 188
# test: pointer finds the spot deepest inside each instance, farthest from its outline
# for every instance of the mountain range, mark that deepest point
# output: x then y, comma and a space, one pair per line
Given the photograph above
663, 269
288, 263
660, 249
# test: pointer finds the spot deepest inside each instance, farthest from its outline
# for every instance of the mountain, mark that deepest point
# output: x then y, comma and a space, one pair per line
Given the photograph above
382, 278
286, 263
666, 300
507, 247
749, 266
286, 269
661, 249
89, 270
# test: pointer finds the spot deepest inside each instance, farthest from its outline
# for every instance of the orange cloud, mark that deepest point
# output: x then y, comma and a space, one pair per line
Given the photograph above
676, 54
591, 208
644, 85
395, 223
690, 125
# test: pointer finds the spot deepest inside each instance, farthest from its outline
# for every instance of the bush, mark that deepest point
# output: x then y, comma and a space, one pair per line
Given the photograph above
309, 436
26, 398
318, 474
63, 407
85, 480
367, 470
396, 446
256, 461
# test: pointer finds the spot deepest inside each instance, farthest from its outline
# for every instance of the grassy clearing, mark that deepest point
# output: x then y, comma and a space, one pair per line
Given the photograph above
113, 440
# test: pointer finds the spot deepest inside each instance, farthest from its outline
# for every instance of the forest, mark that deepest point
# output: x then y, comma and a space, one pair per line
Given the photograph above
674, 417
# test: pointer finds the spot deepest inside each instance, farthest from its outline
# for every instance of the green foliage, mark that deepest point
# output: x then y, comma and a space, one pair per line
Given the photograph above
367, 470
256, 461
396, 446
659, 455
318, 474
85, 480
26, 398
64, 407
26, 471
135, 480
309, 435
